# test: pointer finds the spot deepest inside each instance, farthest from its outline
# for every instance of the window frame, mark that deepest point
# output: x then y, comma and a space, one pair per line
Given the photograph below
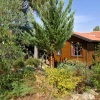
59, 52
81, 50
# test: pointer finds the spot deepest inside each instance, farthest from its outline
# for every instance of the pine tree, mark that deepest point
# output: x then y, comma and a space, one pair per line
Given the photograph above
57, 25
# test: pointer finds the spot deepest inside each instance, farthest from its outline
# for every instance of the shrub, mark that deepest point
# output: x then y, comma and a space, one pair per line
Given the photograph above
16, 84
23, 86
75, 63
96, 76
28, 76
6, 81
9, 50
11, 83
32, 62
96, 56
19, 89
79, 69
62, 80
19, 63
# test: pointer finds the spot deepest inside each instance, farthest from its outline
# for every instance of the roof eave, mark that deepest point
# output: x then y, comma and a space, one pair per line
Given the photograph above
83, 38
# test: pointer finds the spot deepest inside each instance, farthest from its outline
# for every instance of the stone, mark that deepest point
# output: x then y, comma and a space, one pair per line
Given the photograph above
88, 96
76, 97
91, 91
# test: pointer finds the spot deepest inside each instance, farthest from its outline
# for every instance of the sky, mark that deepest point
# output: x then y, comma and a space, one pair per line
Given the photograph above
87, 14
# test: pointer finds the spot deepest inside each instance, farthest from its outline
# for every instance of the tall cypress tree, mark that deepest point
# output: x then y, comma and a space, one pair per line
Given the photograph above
57, 25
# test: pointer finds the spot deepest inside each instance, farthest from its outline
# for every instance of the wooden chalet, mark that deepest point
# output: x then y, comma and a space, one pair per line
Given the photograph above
80, 46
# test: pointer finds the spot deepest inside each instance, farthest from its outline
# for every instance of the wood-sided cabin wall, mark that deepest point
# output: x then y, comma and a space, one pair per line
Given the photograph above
87, 51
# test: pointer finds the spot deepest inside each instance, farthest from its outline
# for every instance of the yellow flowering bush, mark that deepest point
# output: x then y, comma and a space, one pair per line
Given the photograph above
62, 80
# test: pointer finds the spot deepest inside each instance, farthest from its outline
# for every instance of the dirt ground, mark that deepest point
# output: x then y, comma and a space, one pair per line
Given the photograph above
40, 97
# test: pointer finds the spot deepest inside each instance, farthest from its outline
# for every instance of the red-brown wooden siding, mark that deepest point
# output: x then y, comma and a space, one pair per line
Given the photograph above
87, 51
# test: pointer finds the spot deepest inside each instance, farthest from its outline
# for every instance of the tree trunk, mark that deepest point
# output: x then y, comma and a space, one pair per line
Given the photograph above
35, 52
51, 61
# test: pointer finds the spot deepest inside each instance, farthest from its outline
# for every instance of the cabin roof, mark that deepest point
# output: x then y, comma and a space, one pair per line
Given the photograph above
88, 36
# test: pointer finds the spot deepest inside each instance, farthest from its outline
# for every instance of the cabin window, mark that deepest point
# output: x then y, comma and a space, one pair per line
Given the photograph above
76, 49
59, 52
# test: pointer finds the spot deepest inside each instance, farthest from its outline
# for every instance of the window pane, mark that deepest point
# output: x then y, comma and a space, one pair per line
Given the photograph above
59, 52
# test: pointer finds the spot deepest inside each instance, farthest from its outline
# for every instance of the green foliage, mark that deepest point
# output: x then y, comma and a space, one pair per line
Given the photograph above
19, 89
6, 80
10, 13
9, 51
24, 85
12, 83
32, 62
57, 24
62, 80
10, 55
11, 16
97, 28
19, 63
29, 77
96, 76
16, 84
37, 2
97, 54
75, 63
79, 69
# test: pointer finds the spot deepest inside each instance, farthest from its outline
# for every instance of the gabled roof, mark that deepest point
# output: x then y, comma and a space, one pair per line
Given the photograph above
89, 36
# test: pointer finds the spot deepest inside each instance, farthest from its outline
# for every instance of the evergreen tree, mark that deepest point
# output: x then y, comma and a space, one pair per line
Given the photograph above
10, 14
28, 27
97, 28
57, 25
10, 18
